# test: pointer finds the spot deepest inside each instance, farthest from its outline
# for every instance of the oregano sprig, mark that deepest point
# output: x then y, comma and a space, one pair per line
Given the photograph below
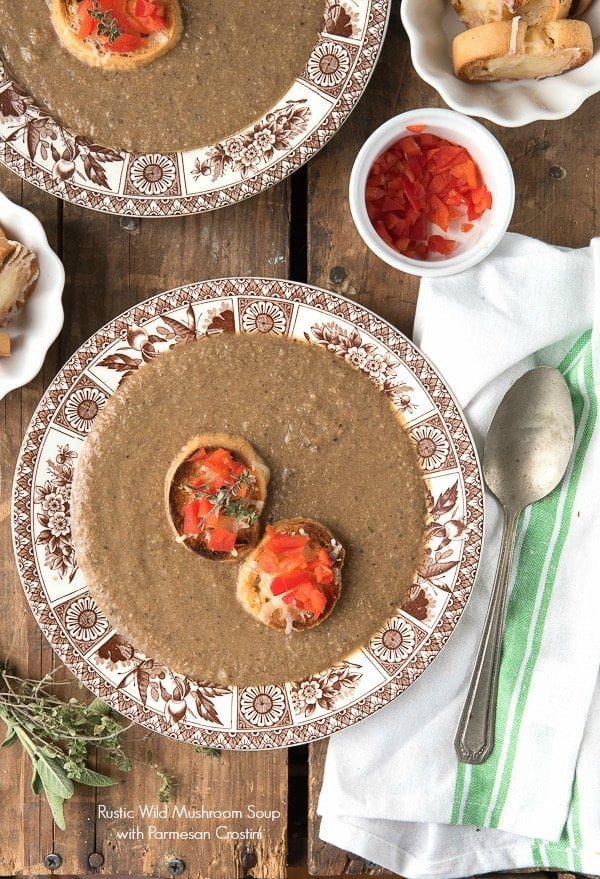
227, 500
107, 24
58, 734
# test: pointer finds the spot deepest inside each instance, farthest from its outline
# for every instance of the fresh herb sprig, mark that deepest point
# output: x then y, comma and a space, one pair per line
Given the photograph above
169, 782
107, 24
227, 500
58, 734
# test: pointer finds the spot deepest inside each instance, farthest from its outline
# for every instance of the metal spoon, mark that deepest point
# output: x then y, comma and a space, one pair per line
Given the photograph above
526, 454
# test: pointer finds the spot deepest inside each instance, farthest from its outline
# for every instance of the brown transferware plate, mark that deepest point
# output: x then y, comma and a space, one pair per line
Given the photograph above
167, 182
265, 715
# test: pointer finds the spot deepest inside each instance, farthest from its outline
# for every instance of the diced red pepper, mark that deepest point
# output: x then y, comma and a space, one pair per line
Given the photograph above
318, 601
125, 43
437, 244
134, 20
221, 540
420, 181
286, 582
86, 23
207, 515
280, 542
219, 461
409, 146
303, 574
191, 517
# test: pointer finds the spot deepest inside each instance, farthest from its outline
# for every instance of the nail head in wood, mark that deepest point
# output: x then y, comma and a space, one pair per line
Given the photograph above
52, 861
130, 224
337, 274
95, 860
248, 859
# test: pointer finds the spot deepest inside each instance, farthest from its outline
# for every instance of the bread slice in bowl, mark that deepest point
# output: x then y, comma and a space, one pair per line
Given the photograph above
215, 491
114, 34
473, 13
292, 580
19, 272
512, 50
539, 11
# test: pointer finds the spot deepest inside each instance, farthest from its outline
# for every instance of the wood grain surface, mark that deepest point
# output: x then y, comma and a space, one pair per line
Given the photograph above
300, 229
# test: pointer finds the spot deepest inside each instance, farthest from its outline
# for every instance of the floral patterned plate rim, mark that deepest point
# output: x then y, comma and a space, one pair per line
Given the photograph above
69, 165
252, 717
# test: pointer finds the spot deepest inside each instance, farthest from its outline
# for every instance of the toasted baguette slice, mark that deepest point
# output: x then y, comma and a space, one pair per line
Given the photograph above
4, 345
254, 585
515, 50
18, 275
537, 12
92, 50
474, 13
184, 471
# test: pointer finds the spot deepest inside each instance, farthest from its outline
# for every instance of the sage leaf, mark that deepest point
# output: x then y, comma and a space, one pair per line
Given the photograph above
10, 738
94, 779
36, 782
57, 733
54, 778
56, 807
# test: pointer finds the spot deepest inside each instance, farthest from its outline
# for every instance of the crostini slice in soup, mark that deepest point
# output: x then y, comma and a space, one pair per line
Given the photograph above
292, 579
216, 490
117, 34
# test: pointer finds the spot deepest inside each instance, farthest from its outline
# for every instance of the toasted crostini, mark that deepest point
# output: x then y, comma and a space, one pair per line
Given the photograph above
515, 50
476, 12
292, 579
19, 272
117, 34
215, 493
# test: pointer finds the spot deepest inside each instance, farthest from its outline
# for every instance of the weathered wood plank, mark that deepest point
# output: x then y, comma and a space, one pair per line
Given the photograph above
337, 257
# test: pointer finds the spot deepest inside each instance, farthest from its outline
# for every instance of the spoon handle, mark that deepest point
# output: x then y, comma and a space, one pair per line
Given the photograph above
474, 739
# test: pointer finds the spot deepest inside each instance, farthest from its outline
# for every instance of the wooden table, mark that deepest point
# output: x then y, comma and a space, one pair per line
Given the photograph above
300, 229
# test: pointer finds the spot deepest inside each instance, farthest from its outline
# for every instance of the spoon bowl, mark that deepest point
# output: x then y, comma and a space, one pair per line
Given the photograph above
530, 439
526, 453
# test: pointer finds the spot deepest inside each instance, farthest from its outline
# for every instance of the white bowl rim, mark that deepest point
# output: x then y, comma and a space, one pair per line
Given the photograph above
455, 125
528, 100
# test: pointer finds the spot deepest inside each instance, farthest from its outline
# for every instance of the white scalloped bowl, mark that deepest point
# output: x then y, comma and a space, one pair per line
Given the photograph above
431, 26
496, 171
34, 329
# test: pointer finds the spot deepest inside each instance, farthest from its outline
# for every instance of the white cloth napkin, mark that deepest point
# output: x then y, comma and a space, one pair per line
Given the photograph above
393, 791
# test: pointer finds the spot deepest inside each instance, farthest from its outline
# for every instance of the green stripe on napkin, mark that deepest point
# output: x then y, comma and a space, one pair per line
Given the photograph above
481, 791
564, 854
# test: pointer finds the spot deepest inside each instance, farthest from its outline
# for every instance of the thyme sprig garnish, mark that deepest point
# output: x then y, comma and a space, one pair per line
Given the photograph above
58, 734
107, 24
226, 500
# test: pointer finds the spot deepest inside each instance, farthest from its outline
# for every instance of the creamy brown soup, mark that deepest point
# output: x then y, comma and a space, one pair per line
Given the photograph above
337, 453
235, 61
